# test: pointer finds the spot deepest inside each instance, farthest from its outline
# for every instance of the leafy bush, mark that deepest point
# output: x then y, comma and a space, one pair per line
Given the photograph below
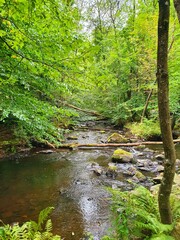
30, 230
32, 117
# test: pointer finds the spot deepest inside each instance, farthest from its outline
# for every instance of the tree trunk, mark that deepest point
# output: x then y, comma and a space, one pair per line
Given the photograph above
164, 113
146, 104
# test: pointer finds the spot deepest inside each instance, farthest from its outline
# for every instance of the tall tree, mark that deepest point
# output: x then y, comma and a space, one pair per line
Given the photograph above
164, 112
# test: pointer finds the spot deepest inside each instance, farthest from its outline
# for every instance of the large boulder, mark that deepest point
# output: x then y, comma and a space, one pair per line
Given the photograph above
117, 138
122, 156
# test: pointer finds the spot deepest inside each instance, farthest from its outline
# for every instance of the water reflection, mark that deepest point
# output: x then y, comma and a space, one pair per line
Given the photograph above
31, 184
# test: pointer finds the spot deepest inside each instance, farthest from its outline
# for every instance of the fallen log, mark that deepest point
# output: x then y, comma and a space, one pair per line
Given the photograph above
81, 110
93, 145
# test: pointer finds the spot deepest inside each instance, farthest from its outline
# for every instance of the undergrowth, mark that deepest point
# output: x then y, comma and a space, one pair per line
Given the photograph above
136, 216
146, 129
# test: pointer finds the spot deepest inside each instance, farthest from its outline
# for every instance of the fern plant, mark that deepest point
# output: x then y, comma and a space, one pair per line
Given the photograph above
42, 230
137, 217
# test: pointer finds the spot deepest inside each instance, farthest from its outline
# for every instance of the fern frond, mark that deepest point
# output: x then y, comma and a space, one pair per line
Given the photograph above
137, 215
48, 226
43, 216
37, 236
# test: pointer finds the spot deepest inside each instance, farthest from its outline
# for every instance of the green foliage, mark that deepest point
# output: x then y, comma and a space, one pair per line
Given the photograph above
136, 216
121, 71
146, 129
174, 65
123, 68
38, 52
30, 230
47, 60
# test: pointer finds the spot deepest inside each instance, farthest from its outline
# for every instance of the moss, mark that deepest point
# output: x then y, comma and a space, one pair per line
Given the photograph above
117, 138
140, 176
112, 168
122, 156
120, 151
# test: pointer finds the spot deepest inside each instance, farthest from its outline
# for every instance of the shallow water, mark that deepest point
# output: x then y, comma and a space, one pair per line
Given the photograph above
30, 184
64, 180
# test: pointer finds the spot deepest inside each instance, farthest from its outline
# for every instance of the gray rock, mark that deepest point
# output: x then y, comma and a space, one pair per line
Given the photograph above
49, 151
157, 179
160, 157
160, 168
130, 171
98, 171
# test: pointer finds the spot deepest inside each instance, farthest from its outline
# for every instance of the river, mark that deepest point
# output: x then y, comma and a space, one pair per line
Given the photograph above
64, 180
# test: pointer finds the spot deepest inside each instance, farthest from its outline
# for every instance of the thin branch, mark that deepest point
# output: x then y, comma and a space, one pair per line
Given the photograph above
42, 62
28, 58
173, 38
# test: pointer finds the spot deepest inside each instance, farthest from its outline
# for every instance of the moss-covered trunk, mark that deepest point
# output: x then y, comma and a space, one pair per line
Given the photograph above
164, 113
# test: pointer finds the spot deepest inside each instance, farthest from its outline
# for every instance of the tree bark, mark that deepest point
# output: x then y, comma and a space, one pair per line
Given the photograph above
164, 113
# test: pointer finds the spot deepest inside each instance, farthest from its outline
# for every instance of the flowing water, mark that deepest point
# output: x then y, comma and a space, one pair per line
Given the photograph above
64, 180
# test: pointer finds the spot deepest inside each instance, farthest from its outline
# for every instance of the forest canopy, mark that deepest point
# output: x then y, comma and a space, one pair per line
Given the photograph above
97, 55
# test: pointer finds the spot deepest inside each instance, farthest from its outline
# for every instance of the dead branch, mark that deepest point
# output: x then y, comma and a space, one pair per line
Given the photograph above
82, 110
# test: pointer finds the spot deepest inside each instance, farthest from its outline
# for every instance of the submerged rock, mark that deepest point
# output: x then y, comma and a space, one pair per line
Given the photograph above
112, 170
122, 156
117, 138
